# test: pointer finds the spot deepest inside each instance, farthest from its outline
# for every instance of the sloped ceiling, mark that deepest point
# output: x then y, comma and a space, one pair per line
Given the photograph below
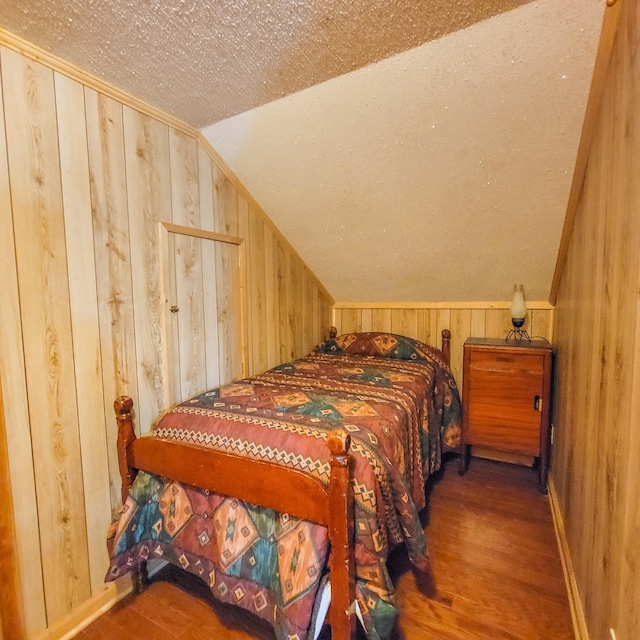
410, 151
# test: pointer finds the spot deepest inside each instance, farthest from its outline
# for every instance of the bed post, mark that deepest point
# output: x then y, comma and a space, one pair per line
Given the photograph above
126, 437
342, 612
446, 346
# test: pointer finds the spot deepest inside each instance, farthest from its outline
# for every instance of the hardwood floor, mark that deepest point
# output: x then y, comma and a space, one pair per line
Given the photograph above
495, 562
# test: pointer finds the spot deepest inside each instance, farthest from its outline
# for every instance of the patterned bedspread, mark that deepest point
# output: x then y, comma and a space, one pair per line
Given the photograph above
402, 414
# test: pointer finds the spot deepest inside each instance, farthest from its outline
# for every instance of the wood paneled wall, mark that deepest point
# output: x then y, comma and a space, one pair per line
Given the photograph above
596, 456
89, 274
426, 322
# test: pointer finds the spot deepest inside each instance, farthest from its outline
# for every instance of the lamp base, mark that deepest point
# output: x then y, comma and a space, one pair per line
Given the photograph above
518, 334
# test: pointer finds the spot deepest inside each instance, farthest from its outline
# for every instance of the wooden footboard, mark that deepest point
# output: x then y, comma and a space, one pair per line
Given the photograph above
265, 484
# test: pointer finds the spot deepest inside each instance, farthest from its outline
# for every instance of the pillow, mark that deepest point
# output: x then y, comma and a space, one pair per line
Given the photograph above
391, 345
378, 344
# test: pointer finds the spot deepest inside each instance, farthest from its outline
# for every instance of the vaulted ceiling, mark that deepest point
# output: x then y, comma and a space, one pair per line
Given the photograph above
410, 151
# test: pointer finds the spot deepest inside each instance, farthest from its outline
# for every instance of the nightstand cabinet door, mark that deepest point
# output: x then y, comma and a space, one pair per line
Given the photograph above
506, 398
504, 401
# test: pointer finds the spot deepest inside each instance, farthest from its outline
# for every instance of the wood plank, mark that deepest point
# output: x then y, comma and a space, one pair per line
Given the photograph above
168, 293
626, 617
478, 323
404, 321
460, 327
271, 302
282, 309
367, 319
498, 323
542, 324
148, 201
225, 203
210, 303
294, 291
228, 293
32, 141
185, 204
257, 297
308, 296
14, 388
426, 326
107, 175
350, 321
74, 166
381, 320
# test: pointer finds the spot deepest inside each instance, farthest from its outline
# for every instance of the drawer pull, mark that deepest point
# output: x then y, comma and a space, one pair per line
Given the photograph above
504, 359
537, 403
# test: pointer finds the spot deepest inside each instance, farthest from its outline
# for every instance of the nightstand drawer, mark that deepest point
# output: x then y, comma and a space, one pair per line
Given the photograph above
487, 360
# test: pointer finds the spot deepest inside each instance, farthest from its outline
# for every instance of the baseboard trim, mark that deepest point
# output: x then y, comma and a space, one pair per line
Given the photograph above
577, 611
82, 616
74, 622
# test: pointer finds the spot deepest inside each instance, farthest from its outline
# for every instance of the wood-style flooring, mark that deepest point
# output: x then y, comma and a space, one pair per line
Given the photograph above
495, 563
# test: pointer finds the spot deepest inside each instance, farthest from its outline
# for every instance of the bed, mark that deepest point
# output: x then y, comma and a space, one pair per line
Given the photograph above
285, 487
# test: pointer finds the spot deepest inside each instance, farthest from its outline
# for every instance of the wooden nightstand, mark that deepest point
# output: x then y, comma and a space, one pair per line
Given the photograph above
506, 399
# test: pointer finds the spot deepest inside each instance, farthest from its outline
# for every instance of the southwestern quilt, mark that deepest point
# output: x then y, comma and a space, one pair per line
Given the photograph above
402, 414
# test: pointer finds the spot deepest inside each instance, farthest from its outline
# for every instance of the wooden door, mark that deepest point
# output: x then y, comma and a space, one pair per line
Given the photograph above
204, 288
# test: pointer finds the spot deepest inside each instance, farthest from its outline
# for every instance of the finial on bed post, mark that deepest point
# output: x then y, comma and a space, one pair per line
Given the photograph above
446, 345
342, 613
126, 436
333, 332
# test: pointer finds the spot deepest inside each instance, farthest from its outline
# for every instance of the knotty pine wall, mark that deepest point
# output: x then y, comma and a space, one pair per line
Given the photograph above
426, 322
88, 275
595, 474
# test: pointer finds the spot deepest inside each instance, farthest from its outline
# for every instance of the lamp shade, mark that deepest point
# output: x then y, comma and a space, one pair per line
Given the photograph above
518, 306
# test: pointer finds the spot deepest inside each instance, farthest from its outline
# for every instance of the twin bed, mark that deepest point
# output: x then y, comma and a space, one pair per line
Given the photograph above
294, 484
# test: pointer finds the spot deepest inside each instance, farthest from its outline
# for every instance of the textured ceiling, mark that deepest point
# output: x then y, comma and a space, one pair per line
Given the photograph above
441, 173
410, 151
205, 61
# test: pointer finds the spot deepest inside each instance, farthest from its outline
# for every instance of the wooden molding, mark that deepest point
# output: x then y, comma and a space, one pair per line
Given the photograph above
82, 616
601, 66
537, 304
201, 233
577, 612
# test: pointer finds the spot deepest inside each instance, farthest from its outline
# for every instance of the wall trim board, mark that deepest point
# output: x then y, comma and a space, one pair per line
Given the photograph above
201, 233
537, 304
575, 603
83, 615
35, 53
603, 56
